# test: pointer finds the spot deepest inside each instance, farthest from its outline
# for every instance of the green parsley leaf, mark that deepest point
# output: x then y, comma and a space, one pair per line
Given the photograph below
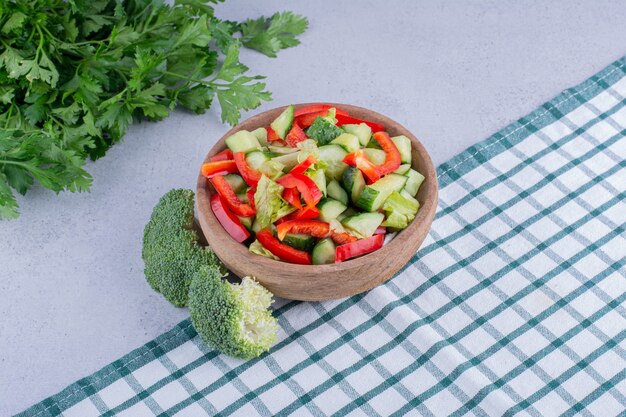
270, 35
75, 74
14, 22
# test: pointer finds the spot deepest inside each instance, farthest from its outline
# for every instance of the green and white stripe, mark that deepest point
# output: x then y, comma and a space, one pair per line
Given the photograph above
515, 304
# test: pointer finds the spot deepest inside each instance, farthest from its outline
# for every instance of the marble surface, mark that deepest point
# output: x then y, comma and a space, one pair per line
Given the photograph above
72, 293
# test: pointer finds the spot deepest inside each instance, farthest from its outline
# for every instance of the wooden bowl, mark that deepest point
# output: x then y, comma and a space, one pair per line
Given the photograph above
323, 282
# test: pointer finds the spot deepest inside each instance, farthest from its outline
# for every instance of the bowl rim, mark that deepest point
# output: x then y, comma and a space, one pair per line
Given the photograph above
424, 216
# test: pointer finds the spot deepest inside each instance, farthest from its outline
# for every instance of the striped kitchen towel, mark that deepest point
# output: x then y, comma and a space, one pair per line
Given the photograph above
514, 305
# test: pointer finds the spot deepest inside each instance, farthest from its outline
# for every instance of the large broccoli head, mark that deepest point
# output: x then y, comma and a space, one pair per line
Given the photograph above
233, 318
170, 250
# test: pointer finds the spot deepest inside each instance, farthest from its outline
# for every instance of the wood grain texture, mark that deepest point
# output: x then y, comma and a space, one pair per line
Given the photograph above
323, 282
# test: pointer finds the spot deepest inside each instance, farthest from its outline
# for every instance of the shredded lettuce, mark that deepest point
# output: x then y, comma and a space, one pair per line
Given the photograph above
307, 147
259, 249
318, 176
330, 116
269, 203
272, 168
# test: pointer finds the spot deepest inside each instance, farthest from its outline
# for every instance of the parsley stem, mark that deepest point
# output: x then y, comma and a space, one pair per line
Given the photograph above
6, 124
51, 35
183, 77
196, 80
18, 163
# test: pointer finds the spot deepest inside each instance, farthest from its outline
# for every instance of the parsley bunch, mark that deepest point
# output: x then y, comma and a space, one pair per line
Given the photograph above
74, 74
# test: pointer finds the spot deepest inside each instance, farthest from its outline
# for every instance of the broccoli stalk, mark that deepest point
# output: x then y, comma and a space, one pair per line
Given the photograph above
233, 318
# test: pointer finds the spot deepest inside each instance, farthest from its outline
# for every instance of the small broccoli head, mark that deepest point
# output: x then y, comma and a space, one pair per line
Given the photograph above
233, 318
170, 250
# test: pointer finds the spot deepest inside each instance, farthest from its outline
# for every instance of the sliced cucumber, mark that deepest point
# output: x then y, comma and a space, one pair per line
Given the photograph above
242, 141
373, 144
300, 242
289, 160
353, 182
402, 169
282, 149
336, 191
282, 124
377, 156
404, 193
348, 141
318, 176
349, 212
329, 153
236, 182
256, 159
373, 196
261, 135
330, 209
246, 221
324, 252
400, 210
323, 130
413, 183
404, 146
333, 156
364, 224
361, 131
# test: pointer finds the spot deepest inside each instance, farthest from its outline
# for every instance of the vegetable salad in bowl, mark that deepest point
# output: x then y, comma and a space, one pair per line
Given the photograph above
316, 186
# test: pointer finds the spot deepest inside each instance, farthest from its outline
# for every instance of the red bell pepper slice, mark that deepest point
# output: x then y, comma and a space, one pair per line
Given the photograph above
224, 189
349, 120
307, 120
284, 252
228, 220
295, 135
250, 175
392, 154
368, 168
371, 171
341, 238
307, 115
315, 228
305, 213
271, 135
273, 138
250, 194
304, 165
307, 187
292, 196
211, 169
317, 108
358, 248
380, 230
225, 155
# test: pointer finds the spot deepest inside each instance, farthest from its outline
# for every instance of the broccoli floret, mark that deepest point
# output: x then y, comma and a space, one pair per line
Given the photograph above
170, 250
233, 318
